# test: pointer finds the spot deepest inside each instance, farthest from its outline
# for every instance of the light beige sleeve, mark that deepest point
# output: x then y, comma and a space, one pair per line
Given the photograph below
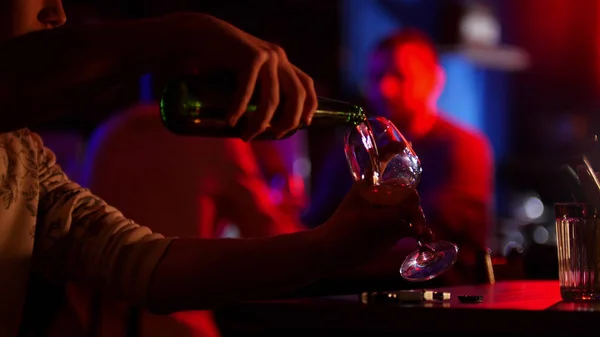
81, 238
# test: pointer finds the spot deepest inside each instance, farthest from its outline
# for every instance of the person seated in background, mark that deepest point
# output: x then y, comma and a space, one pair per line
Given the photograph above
183, 187
180, 186
405, 80
279, 163
54, 232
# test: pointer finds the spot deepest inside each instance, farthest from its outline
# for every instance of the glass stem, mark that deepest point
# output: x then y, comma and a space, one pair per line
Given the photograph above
423, 240
425, 248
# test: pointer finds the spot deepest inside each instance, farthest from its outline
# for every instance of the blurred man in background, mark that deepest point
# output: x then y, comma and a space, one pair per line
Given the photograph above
404, 83
194, 187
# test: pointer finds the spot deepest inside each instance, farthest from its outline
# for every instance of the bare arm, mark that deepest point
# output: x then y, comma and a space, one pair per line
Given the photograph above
82, 238
41, 73
205, 273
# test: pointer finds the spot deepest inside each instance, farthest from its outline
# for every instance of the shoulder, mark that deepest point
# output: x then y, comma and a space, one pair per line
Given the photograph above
22, 139
23, 151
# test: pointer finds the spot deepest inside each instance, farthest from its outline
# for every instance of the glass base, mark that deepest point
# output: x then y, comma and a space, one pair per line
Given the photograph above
574, 294
425, 264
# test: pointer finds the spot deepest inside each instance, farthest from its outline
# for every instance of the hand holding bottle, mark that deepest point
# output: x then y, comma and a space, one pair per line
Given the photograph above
95, 58
216, 44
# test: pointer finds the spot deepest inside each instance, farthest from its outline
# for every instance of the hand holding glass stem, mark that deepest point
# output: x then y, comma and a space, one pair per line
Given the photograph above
379, 154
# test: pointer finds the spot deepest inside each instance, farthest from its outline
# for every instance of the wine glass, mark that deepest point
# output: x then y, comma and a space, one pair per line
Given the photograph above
379, 154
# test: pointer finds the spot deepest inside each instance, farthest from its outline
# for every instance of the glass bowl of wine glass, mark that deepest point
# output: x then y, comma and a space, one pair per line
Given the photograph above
378, 153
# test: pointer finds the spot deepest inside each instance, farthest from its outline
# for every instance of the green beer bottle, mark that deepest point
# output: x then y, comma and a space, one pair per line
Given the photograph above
197, 106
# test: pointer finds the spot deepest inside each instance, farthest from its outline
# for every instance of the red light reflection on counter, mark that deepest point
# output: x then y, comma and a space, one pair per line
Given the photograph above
514, 295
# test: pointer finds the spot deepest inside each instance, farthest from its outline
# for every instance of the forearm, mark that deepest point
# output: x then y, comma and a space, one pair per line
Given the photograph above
205, 273
44, 72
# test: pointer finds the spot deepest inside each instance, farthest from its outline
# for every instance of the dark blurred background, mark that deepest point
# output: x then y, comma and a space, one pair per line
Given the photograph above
525, 73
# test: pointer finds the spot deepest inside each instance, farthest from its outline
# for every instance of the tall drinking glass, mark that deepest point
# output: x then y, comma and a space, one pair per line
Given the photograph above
578, 243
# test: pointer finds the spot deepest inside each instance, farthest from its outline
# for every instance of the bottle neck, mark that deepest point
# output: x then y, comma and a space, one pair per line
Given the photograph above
332, 112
